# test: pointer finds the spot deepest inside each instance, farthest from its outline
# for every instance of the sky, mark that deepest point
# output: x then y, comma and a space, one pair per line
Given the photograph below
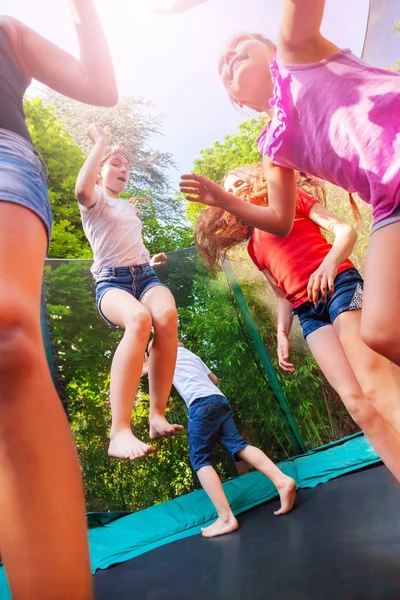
171, 61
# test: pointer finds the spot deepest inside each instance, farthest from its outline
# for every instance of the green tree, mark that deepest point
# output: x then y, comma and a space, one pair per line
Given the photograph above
235, 150
132, 125
63, 159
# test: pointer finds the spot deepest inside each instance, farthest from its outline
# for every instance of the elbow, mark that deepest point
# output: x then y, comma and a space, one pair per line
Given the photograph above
283, 230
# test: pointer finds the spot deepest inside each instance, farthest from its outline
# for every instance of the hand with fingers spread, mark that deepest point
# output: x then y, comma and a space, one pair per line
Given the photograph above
283, 352
197, 188
158, 259
321, 282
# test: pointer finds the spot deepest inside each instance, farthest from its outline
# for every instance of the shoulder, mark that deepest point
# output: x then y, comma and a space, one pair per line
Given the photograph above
304, 203
15, 30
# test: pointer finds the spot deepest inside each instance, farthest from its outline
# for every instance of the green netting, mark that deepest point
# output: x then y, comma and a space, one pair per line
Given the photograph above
214, 326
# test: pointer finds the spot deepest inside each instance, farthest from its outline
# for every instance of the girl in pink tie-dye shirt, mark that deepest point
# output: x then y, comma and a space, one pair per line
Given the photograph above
336, 118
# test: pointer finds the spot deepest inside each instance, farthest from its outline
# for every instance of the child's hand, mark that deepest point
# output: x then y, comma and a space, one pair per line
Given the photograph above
200, 189
158, 260
283, 352
321, 282
166, 7
96, 132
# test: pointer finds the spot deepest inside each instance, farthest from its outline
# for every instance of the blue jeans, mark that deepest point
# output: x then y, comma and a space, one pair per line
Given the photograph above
22, 177
347, 295
135, 280
210, 420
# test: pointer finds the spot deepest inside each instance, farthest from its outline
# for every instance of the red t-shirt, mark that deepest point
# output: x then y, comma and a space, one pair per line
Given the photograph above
293, 259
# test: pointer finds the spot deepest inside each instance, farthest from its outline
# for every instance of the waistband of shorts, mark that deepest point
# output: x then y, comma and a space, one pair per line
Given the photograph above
16, 142
393, 218
117, 271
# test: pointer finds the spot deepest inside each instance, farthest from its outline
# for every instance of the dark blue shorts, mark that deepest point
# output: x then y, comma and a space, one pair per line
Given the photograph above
347, 295
210, 420
135, 280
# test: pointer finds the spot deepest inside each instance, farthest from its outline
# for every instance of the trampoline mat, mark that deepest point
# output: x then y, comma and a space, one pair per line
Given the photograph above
342, 541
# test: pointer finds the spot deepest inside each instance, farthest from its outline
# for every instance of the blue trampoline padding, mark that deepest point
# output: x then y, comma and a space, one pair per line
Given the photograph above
121, 539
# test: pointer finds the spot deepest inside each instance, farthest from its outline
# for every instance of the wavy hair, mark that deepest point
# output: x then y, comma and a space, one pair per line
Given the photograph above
217, 231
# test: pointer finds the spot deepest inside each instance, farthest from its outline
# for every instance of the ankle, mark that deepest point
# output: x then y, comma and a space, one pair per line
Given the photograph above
225, 516
118, 429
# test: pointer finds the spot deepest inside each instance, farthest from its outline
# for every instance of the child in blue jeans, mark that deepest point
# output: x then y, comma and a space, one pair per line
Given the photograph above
210, 420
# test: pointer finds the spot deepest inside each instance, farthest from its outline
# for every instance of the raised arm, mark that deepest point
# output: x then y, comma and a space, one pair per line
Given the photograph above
86, 181
300, 39
277, 218
90, 79
323, 278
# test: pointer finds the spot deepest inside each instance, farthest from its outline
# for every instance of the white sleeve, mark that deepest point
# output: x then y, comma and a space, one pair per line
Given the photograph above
95, 208
207, 370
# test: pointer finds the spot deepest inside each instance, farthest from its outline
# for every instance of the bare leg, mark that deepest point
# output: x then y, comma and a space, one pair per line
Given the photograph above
285, 485
161, 305
226, 522
42, 513
375, 374
124, 310
380, 323
328, 351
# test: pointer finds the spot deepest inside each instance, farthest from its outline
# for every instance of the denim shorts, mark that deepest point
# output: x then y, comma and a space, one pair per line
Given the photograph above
22, 176
135, 280
210, 420
347, 295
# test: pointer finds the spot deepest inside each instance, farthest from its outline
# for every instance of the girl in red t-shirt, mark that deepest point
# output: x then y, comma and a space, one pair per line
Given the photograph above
317, 282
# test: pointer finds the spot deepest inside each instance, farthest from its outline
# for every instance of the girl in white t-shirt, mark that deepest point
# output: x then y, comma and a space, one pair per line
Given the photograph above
128, 295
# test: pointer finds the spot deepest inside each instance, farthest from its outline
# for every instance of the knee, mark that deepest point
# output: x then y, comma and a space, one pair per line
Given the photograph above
382, 340
20, 340
166, 322
139, 324
360, 409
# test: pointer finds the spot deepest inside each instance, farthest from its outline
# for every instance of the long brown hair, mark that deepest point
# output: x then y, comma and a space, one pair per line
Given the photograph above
217, 231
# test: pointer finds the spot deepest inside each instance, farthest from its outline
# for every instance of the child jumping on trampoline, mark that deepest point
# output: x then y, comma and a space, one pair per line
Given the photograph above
210, 420
43, 535
128, 295
332, 116
316, 282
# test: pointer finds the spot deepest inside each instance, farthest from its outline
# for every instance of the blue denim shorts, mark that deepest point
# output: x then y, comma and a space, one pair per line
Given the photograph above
347, 295
210, 420
135, 280
22, 176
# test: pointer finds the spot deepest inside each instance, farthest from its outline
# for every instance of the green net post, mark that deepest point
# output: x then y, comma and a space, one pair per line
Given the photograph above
48, 347
272, 378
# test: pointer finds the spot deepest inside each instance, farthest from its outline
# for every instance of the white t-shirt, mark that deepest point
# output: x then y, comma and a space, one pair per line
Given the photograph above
114, 232
191, 378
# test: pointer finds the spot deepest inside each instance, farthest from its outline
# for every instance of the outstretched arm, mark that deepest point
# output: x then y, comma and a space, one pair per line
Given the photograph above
86, 181
277, 218
300, 39
90, 79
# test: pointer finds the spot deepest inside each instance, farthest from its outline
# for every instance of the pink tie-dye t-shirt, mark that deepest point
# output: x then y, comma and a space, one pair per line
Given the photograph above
339, 120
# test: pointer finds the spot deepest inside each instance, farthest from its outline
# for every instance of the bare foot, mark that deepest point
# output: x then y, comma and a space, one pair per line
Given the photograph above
125, 445
159, 427
287, 493
220, 527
